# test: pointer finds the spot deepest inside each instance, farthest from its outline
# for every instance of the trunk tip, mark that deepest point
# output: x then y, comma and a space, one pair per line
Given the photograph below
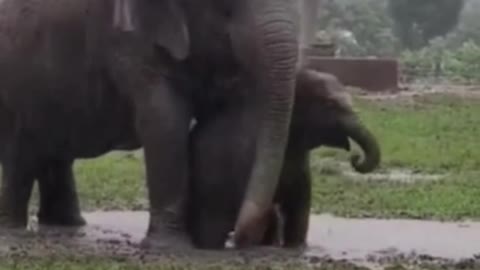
251, 225
364, 165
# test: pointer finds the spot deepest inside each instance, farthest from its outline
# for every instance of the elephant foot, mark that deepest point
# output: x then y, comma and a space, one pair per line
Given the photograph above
170, 241
68, 220
166, 233
296, 245
8, 221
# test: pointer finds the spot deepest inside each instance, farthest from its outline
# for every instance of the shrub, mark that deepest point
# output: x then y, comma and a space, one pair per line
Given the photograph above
461, 64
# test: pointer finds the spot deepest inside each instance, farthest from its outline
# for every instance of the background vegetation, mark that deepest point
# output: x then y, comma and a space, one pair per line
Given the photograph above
434, 39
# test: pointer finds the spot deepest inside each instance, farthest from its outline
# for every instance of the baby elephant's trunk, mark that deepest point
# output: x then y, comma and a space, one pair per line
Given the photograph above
367, 141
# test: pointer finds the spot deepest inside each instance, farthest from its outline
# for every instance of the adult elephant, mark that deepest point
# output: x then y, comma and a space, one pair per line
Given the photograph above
322, 116
79, 78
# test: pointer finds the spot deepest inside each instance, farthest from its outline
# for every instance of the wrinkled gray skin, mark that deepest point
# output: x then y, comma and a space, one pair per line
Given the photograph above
322, 115
79, 78
262, 96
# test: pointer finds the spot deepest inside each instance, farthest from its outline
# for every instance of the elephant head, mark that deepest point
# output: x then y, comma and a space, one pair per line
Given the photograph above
323, 115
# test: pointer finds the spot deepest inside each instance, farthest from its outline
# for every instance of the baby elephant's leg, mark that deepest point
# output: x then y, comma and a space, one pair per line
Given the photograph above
295, 204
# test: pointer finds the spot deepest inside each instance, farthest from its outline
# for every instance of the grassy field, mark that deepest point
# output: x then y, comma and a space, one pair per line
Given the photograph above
429, 135
434, 134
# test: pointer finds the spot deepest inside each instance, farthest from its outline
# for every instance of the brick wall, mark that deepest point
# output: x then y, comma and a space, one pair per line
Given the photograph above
366, 73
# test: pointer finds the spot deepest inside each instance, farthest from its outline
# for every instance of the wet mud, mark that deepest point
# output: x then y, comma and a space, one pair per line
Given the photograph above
360, 242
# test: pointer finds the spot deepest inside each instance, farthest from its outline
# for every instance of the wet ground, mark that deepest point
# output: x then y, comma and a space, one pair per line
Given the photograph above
400, 175
360, 241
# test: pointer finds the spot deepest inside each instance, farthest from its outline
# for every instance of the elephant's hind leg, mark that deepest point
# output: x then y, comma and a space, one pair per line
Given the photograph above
59, 204
18, 172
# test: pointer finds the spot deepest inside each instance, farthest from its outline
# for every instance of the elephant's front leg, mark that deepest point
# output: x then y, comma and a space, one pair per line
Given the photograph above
163, 119
18, 168
296, 200
59, 204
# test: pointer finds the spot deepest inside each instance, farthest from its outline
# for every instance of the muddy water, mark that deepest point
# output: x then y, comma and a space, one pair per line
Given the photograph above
356, 240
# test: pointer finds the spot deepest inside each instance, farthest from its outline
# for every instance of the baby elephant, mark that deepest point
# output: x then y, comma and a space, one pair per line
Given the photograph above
322, 115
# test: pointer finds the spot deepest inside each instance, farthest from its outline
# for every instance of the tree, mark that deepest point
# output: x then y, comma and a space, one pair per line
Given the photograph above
468, 28
416, 22
367, 21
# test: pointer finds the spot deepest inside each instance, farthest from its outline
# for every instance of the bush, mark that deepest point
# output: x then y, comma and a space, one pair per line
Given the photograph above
366, 21
461, 64
417, 64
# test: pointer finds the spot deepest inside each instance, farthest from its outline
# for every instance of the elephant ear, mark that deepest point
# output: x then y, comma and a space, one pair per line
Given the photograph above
162, 21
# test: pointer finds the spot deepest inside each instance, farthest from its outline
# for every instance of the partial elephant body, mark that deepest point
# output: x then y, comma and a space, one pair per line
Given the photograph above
74, 86
322, 117
221, 52
79, 78
56, 101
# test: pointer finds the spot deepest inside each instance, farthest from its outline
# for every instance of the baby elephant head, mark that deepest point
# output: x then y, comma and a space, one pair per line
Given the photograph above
323, 115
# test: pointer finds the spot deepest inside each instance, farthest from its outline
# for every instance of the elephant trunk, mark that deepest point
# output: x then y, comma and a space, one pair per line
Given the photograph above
367, 141
275, 32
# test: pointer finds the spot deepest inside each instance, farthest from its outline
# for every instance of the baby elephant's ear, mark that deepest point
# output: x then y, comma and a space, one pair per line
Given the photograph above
162, 21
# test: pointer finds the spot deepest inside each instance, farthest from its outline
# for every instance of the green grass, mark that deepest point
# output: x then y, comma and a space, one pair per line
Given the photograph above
437, 134
115, 181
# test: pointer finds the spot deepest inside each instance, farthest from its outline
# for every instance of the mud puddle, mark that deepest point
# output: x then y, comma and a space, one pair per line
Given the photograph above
359, 241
